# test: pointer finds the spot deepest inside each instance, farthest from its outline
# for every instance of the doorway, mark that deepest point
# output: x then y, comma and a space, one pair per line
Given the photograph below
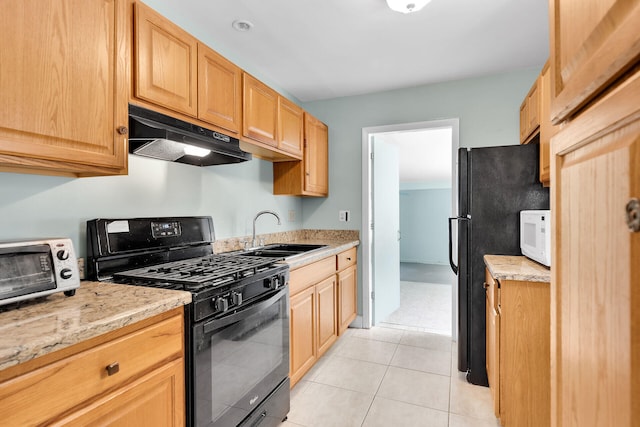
420, 267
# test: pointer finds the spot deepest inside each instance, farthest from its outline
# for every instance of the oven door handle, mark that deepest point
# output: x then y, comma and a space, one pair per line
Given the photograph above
252, 309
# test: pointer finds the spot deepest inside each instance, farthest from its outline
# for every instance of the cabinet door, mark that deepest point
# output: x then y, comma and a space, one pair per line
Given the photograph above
591, 45
303, 333
327, 314
290, 127
347, 298
260, 111
316, 156
547, 129
165, 62
157, 399
493, 347
63, 86
220, 90
595, 339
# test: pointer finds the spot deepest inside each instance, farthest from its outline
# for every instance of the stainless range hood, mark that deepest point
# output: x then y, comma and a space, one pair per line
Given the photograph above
159, 136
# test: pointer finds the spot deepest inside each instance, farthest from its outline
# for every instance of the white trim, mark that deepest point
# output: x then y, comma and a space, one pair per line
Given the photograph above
366, 235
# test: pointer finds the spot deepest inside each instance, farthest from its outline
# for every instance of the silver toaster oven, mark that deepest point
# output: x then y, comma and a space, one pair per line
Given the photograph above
35, 268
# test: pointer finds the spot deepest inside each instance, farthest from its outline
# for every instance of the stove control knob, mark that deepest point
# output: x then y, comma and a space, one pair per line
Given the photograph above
272, 282
221, 304
236, 298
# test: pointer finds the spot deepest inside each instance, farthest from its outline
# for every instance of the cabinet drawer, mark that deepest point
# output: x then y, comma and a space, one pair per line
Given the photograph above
311, 274
62, 385
346, 259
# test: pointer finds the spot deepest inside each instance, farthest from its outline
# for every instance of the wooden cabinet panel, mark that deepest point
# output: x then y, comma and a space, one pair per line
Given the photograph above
596, 273
303, 277
157, 399
303, 333
547, 129
524, 369
71, 383
592, 45
260, 111
326, 294
290, 127
64, 87
166, 56
316, 157
219, 90
347, 296
529, 114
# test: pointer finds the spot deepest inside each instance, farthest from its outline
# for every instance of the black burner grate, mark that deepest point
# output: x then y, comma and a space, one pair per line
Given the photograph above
196, 273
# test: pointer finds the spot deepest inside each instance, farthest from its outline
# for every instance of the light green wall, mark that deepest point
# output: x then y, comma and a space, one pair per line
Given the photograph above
487, 107
45, 206
423, 225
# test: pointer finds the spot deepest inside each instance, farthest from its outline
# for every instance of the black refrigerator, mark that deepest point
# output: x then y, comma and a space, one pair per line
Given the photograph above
494, 185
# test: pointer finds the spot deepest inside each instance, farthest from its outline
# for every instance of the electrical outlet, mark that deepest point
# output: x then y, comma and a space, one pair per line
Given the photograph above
344, 216
292, 215
81, 268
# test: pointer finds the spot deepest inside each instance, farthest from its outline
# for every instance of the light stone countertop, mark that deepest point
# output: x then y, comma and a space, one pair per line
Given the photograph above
505, 267
42, 326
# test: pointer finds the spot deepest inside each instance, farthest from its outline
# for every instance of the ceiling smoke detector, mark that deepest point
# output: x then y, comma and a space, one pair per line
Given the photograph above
406, 6
242, 26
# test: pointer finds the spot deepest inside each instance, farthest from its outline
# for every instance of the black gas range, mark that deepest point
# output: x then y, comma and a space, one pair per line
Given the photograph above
237, 326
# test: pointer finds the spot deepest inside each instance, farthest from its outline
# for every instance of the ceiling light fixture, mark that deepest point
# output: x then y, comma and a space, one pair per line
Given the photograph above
407, 6
241, 25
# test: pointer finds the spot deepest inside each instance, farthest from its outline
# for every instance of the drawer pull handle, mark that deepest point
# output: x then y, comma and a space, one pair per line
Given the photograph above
113, 368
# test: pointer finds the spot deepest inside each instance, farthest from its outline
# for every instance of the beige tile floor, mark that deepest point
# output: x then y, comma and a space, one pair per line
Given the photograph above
389, 377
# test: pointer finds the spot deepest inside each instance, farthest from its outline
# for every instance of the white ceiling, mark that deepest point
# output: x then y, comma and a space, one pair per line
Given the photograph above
321, 49
424, 157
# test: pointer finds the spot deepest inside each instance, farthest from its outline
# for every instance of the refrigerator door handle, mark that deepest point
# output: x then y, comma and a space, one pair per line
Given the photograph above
454, 267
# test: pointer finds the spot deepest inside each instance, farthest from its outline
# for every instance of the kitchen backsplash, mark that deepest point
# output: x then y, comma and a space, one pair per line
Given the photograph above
237, 243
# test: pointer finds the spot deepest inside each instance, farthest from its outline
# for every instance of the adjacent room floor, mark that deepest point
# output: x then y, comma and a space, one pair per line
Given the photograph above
425, 299
389, 377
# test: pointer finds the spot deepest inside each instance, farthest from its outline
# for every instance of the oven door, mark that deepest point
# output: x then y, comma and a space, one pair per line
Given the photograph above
239, 360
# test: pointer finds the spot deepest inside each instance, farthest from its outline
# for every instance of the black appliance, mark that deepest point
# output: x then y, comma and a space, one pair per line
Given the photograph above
237, 326
156, 135
494, 185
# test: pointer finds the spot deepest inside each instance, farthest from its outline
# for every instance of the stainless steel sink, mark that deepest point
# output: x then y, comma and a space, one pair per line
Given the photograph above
282, 250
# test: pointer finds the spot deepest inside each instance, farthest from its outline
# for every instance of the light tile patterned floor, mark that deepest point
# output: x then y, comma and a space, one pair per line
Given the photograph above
389, 377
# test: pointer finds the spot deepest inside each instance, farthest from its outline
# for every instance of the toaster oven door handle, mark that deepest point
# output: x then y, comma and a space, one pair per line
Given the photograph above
250, 310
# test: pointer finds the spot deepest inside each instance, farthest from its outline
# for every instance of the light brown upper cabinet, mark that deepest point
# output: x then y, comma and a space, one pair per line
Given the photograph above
273, 124
166, 60
547, 129
309, 177
220, 90
63, 87
594, 45
260, 121
529, 114
290, 127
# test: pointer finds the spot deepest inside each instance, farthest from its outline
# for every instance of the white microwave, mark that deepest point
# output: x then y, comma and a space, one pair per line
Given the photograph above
535, 235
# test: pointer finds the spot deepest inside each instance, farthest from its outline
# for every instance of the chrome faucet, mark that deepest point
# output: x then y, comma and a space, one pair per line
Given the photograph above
253, 237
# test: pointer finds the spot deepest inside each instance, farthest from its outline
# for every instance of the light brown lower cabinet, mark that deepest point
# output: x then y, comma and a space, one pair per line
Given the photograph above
131, 376
518, 352
322, 304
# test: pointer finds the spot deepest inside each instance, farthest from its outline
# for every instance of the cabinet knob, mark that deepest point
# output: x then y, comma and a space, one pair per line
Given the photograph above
348, 258
113, 368
633, 215
485, 285
122, 130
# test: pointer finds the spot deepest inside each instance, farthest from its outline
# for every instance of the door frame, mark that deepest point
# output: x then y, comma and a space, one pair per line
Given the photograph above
367, 237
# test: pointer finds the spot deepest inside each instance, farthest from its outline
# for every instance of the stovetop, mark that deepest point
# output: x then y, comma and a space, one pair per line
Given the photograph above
200, 273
